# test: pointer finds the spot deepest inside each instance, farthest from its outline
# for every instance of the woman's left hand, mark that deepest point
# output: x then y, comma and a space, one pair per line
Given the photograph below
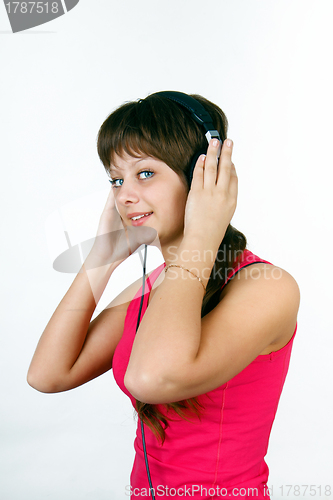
212, 199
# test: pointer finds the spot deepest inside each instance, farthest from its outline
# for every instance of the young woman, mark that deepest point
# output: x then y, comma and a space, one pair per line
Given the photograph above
206, 366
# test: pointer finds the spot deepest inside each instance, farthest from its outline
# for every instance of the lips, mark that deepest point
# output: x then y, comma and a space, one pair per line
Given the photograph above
137, 214
140, 221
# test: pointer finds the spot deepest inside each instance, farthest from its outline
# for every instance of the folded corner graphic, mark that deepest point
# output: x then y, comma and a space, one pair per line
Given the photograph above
25, 15
70, 4
72, 259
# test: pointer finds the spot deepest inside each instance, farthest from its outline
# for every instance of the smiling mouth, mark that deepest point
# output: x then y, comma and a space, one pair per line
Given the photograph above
137, 221
141, 216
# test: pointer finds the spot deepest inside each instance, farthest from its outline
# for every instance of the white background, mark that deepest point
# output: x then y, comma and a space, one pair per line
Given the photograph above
268, 65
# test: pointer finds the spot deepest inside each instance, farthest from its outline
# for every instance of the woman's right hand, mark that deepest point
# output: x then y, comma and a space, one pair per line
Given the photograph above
115, 241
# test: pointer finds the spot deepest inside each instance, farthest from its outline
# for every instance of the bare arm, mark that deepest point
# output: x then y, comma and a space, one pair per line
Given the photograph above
62, 340
176, 355
71, 350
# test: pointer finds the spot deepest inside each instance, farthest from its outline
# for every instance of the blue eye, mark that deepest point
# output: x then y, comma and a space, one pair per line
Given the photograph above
113, 181
145, 172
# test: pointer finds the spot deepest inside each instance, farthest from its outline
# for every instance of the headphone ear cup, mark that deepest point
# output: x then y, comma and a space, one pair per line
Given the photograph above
189, 173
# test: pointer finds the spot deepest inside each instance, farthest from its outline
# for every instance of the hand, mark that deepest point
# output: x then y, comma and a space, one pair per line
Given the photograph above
115, 241
212, 199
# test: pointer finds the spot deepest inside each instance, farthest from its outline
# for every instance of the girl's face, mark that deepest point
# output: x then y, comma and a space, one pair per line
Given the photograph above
145, 184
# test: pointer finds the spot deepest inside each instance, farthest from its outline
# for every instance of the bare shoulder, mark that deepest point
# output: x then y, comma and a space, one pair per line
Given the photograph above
256, 315
269, 287
263, 273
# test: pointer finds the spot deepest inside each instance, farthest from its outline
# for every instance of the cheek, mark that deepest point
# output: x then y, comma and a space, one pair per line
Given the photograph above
179, 204
180, 201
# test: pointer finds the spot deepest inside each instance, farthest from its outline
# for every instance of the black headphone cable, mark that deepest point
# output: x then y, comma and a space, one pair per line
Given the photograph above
142, 425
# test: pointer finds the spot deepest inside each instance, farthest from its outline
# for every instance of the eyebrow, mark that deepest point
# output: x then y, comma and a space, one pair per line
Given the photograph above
116, 167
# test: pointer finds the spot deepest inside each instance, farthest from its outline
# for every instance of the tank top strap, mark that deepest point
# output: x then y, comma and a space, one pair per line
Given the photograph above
154, 275
247, 259
150, 280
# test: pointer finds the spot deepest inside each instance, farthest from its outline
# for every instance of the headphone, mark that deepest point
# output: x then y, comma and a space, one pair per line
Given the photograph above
201, 116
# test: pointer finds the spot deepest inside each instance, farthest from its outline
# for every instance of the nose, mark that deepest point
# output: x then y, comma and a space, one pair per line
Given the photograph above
128, 193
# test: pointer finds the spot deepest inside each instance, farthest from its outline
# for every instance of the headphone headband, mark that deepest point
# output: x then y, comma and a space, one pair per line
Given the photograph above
198, 112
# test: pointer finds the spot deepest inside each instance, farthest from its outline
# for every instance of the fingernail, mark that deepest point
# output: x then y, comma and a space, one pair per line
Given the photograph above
229, 143
203, 157
215, 143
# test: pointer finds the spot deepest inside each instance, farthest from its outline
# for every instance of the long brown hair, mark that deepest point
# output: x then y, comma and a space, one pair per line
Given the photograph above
160, 128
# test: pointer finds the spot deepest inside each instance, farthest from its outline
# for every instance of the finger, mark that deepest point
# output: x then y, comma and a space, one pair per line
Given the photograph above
122, 221
225, 165
211, 164
233, 184
198, 173
110, 201
128, 241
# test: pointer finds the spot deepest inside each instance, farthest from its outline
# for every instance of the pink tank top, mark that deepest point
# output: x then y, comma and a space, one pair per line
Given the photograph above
220, 455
